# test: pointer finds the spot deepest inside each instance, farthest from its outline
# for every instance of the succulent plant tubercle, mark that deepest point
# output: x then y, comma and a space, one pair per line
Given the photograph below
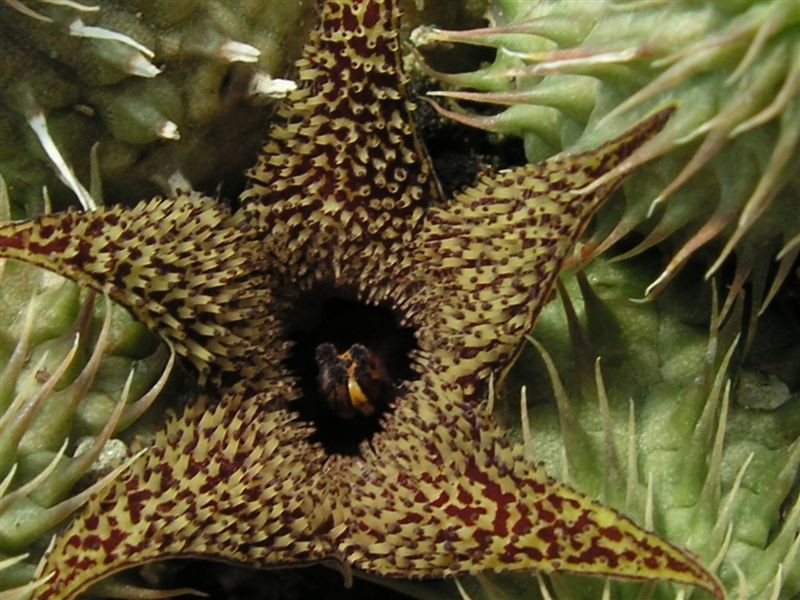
166, 90
343, 229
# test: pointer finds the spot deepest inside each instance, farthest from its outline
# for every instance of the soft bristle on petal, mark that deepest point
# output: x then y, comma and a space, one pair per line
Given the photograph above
497, 511
524, 239
182, 266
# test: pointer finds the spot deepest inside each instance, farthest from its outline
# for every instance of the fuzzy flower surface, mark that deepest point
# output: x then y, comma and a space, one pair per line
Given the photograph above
345, 282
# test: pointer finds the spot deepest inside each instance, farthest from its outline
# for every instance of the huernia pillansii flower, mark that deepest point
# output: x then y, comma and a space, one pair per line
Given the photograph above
344, 238
720, 182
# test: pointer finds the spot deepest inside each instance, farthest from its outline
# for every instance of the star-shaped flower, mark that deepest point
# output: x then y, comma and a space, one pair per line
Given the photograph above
347, 289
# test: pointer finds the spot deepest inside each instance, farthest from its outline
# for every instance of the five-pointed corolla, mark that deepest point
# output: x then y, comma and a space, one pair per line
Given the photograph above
344, 239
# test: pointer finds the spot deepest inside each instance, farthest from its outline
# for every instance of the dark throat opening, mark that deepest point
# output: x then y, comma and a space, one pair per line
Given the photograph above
351, 360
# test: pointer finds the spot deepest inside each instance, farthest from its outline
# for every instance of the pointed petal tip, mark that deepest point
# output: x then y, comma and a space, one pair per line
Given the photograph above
649, 127
645, 556
618, 157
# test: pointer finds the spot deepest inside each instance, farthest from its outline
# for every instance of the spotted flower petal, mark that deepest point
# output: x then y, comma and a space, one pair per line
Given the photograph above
348, 214
183, 266
343, 177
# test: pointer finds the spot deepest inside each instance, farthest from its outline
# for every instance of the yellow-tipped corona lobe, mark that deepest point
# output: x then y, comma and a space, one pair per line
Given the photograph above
344, 199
